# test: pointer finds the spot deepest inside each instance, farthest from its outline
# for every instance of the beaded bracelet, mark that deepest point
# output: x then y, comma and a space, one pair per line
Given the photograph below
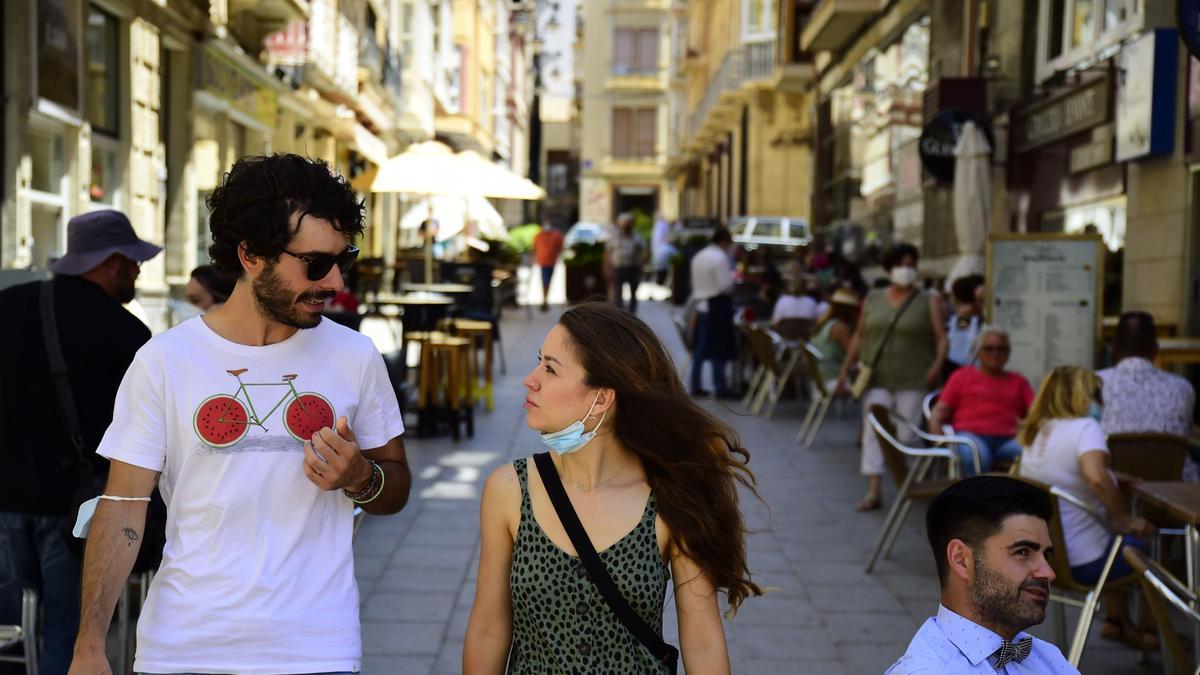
374, 487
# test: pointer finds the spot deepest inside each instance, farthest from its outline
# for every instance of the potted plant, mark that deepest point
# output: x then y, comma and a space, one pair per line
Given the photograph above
584, 263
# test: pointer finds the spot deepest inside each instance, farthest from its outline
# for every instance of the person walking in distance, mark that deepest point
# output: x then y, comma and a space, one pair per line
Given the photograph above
263, 426
638, 472
902, 334
627, 255
712, 285
98, 339
547, 247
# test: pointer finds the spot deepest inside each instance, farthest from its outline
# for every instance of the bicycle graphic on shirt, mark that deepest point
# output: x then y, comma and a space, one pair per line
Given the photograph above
224, 419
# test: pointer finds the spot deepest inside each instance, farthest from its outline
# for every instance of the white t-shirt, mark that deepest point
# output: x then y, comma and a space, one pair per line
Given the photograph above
711, 275
257, 573
794, 307
1054, 459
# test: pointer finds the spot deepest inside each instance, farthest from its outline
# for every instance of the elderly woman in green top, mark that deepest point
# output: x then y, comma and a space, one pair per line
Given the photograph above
906, 365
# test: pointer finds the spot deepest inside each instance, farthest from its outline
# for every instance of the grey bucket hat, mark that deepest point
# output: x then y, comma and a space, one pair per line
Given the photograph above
92, 237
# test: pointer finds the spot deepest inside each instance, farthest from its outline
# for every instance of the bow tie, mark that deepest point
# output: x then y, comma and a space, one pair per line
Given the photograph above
1013, 651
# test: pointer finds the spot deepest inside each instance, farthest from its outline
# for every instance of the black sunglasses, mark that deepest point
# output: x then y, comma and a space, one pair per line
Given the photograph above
320, 263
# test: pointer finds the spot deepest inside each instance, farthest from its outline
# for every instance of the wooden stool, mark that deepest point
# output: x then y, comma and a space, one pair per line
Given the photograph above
450, 373
480, 335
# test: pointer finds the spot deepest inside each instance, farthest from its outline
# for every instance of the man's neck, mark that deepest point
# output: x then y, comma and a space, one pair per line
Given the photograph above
966, 610
239, 321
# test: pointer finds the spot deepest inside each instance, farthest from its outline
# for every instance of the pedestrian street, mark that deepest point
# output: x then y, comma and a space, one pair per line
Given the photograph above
821, 614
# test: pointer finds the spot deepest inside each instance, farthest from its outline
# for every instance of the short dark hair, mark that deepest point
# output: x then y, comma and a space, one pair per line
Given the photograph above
217, 283
721, 236
256, 200
1136, 335
897, 253
974, 509
963, 288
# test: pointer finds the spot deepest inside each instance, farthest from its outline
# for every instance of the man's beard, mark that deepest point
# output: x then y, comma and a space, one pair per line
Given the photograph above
1000, 603
276, 303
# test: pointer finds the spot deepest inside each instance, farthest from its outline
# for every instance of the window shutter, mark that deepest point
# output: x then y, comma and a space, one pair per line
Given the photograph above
647, 131
648, 51
623, 51
622, 132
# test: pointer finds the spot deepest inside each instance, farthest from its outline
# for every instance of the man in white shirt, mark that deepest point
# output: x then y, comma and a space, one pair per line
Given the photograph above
243, 417
1139, 398
991, 540
712, 281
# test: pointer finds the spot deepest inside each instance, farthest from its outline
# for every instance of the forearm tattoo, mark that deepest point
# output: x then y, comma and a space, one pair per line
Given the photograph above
130, 534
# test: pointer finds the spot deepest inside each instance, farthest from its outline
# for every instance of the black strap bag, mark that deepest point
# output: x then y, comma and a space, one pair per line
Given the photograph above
667, 655
92, 477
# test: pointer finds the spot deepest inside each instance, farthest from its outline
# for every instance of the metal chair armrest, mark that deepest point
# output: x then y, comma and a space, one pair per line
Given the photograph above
1083, 506
939, 438
1172, 594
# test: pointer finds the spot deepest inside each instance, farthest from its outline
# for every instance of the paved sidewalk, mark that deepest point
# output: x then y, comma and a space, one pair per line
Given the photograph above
822, 615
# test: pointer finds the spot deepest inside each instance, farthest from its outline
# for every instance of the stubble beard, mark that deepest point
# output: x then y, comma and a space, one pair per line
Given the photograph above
999, 603
276, 302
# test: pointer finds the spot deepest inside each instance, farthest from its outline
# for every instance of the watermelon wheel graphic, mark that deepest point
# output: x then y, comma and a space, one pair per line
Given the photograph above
221, 421
306, 414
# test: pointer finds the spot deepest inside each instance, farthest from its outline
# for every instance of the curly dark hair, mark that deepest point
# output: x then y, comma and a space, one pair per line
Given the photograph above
255, 201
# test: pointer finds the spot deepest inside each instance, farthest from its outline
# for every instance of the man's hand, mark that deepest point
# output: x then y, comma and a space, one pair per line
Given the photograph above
89, 662
333, 460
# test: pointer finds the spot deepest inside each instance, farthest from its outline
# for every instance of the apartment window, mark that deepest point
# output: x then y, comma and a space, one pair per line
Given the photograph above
1077, 31
635, 51
635, 132
407, 31
103, 73
758, 17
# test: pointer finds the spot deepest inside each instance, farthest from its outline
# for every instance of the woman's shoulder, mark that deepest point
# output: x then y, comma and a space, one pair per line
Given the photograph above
503, 482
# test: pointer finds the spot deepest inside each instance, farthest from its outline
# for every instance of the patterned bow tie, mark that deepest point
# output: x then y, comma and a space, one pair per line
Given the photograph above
1013, 651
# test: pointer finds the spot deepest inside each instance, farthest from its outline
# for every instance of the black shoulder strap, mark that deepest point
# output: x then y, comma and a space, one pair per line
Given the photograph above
892, 327
667, 655
58, 368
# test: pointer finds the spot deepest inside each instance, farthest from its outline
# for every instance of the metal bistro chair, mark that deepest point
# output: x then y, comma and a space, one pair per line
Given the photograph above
822, 398
1152, 457
912, 482
1065, 584
1162, 588
776, 361
24, 634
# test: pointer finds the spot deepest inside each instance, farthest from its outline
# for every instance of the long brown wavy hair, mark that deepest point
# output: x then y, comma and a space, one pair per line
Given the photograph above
693, 461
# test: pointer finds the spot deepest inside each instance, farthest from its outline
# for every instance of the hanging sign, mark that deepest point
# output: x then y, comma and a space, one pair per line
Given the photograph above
1187, 19
1146, 95
939, 138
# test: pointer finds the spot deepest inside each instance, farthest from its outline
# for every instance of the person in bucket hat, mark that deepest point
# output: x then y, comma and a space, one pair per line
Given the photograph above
98, 338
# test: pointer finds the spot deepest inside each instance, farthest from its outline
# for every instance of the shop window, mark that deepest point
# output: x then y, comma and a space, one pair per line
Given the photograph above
103, 188
46, 150
58, 52
635, 51
103, 72
758, 18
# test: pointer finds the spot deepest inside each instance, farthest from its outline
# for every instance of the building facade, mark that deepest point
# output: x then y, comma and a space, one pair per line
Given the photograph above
626, 56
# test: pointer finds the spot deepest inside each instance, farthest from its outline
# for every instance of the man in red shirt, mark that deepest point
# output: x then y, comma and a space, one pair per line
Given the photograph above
547, 246
985, 403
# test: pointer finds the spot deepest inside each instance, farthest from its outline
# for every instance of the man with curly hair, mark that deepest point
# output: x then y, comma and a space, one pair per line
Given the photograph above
244, 418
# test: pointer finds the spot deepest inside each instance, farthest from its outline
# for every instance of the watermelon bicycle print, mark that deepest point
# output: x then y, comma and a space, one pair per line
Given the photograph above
222, 420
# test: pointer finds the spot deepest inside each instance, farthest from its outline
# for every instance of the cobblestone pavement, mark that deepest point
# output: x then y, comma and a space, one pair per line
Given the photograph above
416, 570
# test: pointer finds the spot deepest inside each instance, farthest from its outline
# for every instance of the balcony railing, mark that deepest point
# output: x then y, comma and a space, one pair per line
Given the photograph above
370, 56
393, 73
751, 62
760, 60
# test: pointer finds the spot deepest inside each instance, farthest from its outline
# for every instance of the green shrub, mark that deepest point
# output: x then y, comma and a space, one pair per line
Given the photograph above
520, 239
584, 254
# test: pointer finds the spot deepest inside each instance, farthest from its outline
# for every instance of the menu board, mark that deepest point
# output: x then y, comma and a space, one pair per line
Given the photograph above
1044, 289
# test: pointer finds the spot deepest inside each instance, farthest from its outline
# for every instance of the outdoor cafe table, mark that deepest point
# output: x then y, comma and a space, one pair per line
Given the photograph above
444, 289
421, 309
1180, 500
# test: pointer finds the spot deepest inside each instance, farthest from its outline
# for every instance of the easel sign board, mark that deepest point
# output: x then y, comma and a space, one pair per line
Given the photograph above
1045, 290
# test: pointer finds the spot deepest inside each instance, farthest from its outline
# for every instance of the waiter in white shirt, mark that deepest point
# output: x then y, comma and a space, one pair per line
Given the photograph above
712, 281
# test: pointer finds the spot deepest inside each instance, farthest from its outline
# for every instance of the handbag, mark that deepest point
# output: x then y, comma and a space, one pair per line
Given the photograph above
866, 371
92, 479
667, 655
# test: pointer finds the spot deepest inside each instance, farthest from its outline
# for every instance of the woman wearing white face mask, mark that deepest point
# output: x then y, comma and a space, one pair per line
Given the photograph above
651, 477
901, 334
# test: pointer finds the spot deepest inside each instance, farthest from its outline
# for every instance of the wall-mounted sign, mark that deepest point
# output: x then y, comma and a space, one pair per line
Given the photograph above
1068, 113
939, 138
1096, 152
1146, 95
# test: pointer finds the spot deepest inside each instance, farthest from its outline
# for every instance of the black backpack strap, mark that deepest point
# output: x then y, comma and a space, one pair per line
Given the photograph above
666, 654
58, 370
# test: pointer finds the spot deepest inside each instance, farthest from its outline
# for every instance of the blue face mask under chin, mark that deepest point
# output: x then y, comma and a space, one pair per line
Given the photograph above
573, 438
1095, 411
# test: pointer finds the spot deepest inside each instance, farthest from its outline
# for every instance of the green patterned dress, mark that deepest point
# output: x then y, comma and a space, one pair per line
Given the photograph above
561, 623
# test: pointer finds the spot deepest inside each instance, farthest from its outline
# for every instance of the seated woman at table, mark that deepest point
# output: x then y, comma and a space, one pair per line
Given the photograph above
831, 336
985, 403
1065, 447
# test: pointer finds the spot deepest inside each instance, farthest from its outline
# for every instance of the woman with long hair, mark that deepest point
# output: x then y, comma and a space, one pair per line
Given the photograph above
1065, 447
653, 479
